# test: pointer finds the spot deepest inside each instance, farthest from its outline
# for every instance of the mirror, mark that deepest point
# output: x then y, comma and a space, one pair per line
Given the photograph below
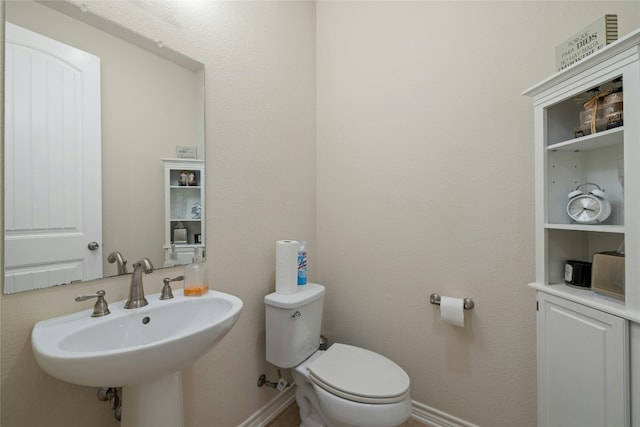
151, 107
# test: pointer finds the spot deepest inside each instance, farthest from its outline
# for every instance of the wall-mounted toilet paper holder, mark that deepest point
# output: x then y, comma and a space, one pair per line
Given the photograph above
468, 303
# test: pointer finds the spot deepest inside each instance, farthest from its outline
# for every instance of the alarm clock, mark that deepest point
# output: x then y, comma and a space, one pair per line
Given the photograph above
588, 208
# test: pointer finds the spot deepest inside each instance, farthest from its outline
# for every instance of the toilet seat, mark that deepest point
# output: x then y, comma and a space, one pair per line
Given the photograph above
359, 375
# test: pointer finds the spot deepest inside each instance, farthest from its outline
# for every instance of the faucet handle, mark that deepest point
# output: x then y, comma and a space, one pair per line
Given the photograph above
101, 308
166, 289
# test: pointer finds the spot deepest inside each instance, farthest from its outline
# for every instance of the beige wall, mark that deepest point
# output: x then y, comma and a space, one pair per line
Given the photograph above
425, 184
260, 103
149, 106
423, 159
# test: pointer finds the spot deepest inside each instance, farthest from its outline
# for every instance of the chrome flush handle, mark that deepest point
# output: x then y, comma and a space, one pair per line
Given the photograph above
296, 315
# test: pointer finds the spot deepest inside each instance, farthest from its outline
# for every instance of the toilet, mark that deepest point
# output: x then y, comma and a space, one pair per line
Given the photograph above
343, 386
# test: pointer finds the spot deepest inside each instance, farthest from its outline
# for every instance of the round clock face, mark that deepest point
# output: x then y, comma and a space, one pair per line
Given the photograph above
587, 209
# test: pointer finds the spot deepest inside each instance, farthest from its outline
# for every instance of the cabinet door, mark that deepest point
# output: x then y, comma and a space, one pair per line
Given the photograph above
634, 358
582, 365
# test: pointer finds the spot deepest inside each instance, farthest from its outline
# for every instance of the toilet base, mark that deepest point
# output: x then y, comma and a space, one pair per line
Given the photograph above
311, 412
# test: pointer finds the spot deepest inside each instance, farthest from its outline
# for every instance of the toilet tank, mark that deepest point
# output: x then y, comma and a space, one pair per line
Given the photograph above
293, 325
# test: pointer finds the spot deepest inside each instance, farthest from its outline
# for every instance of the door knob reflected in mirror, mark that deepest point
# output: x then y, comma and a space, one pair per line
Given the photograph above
93, 246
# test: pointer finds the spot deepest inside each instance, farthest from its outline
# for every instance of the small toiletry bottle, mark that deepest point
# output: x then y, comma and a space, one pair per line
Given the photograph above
195, 276
302, 264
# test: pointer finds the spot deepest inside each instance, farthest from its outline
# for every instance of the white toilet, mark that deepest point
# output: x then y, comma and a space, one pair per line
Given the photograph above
344, 386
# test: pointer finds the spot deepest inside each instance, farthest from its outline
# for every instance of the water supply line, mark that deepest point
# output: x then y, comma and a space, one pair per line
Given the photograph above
113, 395
281, 384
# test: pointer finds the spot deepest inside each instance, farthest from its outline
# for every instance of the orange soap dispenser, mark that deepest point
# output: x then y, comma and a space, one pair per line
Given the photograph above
195, 276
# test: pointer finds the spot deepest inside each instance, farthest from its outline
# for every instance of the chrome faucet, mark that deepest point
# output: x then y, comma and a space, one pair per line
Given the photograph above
136, 291
120, 262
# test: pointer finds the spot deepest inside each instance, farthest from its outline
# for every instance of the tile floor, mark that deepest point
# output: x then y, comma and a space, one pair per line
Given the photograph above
290, 418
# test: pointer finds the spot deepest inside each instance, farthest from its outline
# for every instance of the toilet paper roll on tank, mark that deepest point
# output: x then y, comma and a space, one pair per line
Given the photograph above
287, 266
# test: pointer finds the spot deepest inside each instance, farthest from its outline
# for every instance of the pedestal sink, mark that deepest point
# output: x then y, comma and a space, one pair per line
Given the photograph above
142, 350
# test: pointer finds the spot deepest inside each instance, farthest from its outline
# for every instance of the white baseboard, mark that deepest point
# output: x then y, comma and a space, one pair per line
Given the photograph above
428, 416
435, 418
271, 410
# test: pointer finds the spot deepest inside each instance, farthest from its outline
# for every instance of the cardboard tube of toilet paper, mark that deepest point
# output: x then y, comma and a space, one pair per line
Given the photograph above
452, 310
287, 266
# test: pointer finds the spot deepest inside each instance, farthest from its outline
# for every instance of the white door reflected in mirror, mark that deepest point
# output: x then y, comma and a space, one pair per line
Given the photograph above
53, 202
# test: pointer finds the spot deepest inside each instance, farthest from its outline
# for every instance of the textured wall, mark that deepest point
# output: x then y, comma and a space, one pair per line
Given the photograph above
260, 130
424, 170
425, 184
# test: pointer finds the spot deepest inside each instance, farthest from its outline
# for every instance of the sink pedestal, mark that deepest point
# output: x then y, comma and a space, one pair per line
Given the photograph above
156, 403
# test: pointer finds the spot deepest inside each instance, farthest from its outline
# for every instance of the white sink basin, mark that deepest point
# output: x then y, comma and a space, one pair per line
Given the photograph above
131, 347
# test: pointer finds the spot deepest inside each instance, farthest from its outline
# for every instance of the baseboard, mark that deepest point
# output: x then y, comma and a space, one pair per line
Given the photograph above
427, 415
435, 418
271, 410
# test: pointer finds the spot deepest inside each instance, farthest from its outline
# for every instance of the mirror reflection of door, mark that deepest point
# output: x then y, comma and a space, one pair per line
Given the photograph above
52, 162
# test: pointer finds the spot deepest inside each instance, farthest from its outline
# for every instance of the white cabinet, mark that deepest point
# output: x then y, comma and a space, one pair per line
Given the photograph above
184, 225
586, 366
608, 158
583, 369
634, 352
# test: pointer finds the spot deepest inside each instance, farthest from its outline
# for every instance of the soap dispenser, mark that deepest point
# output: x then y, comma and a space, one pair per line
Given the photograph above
195, 276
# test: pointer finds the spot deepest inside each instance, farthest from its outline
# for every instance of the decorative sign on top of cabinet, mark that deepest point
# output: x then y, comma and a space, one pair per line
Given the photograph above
184, 210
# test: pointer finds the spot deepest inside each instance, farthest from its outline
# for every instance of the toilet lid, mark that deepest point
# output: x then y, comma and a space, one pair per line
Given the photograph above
359, 375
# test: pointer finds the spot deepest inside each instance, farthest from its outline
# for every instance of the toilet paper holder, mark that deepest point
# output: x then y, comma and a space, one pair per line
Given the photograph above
467, 303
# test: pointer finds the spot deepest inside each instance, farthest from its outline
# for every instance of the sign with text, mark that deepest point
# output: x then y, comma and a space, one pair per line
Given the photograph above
186, 152
589, 40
